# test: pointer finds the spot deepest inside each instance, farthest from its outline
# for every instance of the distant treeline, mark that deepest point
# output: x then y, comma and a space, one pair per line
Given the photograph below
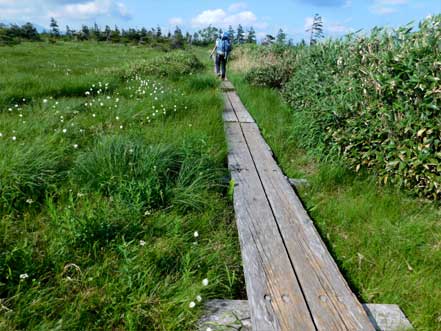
14, 34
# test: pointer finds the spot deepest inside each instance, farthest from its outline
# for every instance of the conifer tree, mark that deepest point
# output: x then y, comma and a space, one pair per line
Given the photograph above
251, 37
281, 37
55, 31
316, 29
231, 33
240, 35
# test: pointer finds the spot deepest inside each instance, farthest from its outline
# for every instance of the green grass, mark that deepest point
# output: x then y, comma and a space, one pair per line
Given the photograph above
101, 193
387, 244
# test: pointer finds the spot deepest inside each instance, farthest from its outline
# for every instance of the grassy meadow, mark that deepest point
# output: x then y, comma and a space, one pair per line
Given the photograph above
386, 243
114, 212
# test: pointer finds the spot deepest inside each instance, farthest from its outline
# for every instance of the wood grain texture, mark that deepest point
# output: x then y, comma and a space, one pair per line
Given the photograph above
276, 300
229, 115
227, 86
242, 114
329, 298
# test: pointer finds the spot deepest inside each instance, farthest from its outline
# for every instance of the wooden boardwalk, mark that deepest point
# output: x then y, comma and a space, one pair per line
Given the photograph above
292, 281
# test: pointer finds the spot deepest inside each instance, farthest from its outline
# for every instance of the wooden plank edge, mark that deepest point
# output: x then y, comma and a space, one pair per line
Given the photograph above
232, 315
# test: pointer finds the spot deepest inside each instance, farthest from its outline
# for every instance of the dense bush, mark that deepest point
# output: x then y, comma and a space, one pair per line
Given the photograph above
375, 101
171, 65
276, 68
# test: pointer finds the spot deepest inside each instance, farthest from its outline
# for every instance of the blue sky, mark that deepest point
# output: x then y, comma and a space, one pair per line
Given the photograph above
293, 16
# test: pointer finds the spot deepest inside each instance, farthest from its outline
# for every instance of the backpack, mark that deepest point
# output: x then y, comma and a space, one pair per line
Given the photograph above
226, 45
223, 45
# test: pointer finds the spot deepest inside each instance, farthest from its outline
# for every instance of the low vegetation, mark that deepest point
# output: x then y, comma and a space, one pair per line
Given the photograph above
113, 206
372, 100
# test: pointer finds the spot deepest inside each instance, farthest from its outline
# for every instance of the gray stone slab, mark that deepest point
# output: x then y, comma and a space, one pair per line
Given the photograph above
387, 317
298, 182
226, 315
233, 315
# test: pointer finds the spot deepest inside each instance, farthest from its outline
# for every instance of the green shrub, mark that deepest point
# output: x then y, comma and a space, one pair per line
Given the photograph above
172, 65
374, 101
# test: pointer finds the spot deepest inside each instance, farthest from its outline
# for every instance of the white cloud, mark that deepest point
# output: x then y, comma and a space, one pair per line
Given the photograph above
245, 18
238, 6
65, 11
387, 7
176, 21
91, 9
333, 28
337, 28
308, 22
221, 18
210, 16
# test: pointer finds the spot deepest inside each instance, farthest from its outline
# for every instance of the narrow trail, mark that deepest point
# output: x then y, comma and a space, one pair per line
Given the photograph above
292, 281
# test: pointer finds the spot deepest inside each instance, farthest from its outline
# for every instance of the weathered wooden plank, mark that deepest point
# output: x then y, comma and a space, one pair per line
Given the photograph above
241, 112
228, 114
329, 298
275, 297
227, 86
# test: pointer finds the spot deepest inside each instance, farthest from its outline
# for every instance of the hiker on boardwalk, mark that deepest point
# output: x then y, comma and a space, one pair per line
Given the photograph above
222, 49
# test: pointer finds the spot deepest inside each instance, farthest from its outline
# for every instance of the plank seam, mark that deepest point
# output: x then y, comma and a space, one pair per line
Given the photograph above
278, 228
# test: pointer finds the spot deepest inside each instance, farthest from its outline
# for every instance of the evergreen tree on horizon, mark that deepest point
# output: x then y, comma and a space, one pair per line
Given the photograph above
281, 37
240, 35
251, 37
55, 31
316, 29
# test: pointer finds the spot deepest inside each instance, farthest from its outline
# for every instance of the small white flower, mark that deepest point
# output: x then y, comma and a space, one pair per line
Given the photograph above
1, 134
198, 298
120, 126
205, 281
196, 234
24, 276
75, 146
87, 93
93, 115
209, 329
101, 104
117, 118
192, 304
29, 201
14, 138
142, 242
64, 130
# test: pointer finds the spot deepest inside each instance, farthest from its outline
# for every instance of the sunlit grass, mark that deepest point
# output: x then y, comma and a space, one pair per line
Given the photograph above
113, 198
